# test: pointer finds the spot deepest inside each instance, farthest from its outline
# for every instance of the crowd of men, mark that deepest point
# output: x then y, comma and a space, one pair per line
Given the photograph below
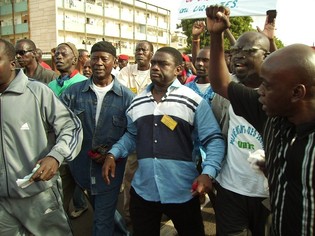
235, 124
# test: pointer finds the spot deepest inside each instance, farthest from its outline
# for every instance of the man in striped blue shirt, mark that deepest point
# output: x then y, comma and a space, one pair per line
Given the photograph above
163, 122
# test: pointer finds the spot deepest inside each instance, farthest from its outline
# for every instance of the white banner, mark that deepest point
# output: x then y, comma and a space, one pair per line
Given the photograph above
192, 9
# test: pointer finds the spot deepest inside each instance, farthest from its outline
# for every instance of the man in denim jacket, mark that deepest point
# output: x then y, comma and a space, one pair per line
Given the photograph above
100, 102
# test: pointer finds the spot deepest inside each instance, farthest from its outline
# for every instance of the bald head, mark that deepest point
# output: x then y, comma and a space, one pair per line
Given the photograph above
252, 38
296, 60
288, 87
247, 56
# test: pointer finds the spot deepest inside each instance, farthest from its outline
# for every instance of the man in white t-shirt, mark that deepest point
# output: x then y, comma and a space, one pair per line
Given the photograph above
101, 103
240, 188
136, 77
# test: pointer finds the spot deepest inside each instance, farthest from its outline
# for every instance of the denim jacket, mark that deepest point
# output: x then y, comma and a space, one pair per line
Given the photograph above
112, 123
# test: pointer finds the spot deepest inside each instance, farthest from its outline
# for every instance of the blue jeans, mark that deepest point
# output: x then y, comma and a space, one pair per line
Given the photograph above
104, 206
79, 201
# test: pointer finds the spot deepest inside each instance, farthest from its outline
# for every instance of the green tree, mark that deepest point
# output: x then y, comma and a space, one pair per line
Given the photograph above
279, 43
239, 25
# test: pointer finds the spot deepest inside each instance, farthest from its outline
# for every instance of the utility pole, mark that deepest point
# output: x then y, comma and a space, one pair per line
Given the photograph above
13, 19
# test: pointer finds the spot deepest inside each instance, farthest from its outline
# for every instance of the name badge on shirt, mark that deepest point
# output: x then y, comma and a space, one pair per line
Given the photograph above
169, 122
134, 90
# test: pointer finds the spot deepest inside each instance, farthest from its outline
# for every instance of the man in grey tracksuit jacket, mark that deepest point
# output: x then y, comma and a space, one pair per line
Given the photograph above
35, 128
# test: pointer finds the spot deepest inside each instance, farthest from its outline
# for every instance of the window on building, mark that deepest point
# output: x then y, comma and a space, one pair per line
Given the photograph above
90, 21
25, 18
142, 29
90, 41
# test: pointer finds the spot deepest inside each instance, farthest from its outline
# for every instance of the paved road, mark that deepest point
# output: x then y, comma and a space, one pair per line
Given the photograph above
82, 226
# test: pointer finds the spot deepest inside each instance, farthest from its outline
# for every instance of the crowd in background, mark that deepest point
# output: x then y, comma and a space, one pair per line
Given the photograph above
167, 130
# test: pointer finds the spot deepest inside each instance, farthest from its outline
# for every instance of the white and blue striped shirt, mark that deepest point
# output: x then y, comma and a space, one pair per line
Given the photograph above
166, 167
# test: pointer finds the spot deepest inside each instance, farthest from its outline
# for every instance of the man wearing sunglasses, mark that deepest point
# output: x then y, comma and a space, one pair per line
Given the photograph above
282, 111
25, 50
240, 189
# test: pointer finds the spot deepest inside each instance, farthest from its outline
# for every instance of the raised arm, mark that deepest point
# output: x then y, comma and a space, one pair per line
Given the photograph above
269, 31
217, 23
197, 29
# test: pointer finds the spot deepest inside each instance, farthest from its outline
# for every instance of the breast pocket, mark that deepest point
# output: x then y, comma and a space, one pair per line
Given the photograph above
119, 126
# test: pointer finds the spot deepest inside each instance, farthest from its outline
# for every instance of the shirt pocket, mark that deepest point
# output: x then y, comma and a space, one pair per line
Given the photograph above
119, 126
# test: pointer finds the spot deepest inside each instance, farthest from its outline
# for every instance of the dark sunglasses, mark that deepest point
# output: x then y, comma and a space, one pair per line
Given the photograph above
22, 52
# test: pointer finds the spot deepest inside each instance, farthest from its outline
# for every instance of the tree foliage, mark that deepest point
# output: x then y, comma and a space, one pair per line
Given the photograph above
239, 25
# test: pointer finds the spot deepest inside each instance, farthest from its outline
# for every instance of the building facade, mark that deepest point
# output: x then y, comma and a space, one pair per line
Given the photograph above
84, 22
179, 40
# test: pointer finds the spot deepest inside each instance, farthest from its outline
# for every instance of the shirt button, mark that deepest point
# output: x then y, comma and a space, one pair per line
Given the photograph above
155, 124
155, 141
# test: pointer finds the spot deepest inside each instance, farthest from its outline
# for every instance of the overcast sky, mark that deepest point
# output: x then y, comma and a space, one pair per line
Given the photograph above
295, 21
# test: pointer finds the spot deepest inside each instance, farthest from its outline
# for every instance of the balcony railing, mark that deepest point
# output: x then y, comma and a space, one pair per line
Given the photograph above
19, 29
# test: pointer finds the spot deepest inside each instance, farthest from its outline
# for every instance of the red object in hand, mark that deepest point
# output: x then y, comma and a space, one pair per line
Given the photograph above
93, 155
194, 186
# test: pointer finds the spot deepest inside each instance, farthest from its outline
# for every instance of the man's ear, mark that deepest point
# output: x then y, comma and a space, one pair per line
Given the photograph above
13, 65
298, 92
34, 54
74, 61
178, 69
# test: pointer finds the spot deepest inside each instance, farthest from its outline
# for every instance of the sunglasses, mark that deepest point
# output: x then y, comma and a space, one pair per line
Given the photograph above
22, 52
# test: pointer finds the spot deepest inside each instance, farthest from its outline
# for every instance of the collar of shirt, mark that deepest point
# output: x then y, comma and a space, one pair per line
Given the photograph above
175, 84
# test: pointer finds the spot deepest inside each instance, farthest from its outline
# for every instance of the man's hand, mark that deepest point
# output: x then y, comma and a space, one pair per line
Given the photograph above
198, 28
217, 19
201, 185
269, 29
48, 168
109, 167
